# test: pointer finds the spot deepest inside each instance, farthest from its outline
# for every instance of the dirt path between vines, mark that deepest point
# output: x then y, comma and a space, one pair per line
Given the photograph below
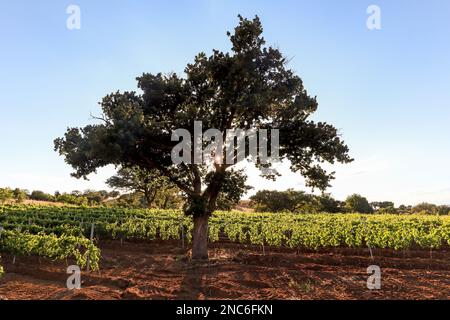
161, 270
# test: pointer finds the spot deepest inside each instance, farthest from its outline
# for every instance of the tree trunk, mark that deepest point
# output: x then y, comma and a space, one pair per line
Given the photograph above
147, 198
150, 198
200, 238
166, 200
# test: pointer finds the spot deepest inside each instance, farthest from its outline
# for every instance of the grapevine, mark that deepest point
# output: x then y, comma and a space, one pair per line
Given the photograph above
312, 231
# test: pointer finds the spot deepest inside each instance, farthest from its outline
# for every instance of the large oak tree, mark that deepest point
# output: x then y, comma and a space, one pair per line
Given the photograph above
249, 87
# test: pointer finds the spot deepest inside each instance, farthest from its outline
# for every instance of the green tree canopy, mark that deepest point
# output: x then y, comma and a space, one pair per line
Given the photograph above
20, 195
149, 182
39, 195
5, 194
358, 203
293, 201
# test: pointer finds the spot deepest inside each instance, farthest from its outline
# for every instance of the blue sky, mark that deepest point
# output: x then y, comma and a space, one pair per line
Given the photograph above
388, 90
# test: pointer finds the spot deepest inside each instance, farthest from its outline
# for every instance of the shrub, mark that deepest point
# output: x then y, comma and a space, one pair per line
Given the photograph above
5, 194
41, 196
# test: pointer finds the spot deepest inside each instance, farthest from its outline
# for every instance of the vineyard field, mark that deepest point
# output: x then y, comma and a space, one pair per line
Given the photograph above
80, 234
62, 232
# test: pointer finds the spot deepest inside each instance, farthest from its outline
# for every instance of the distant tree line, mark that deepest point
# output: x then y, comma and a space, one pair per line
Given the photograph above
160, 193
162, 198
87, 197
302, 202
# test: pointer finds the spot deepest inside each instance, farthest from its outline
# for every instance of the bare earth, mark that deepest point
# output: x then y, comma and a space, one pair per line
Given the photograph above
161, 270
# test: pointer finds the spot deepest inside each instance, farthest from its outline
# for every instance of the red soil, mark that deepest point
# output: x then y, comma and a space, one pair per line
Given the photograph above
162, 270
